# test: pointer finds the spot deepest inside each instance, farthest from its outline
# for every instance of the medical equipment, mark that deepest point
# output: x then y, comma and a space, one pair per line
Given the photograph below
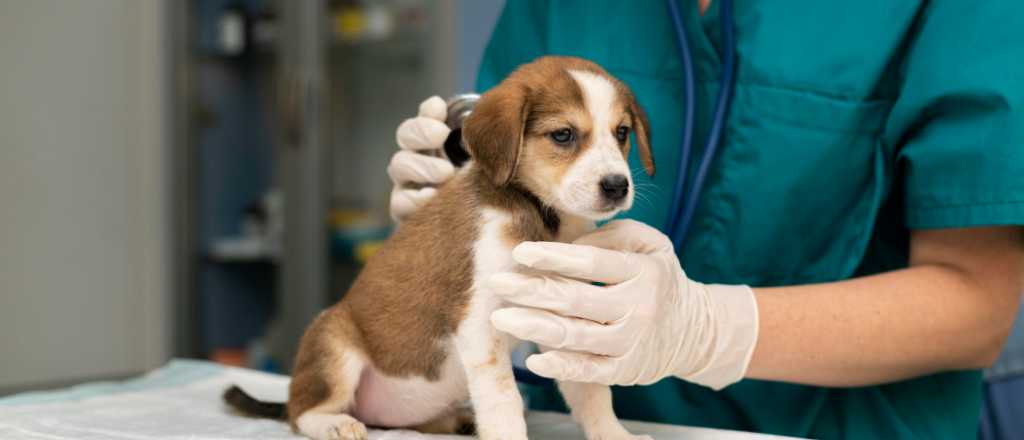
680, 216
459, 107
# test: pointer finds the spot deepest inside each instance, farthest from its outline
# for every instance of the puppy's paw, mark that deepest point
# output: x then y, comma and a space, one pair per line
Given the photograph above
350, 429
625, 436
618, 433
332, 427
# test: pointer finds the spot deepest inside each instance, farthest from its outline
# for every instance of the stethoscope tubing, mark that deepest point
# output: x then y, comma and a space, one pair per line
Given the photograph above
680, 215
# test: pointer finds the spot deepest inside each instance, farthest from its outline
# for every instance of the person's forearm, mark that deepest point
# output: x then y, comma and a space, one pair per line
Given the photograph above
880, 328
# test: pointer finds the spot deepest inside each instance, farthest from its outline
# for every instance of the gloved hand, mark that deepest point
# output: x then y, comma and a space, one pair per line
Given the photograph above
646, 322
414, 174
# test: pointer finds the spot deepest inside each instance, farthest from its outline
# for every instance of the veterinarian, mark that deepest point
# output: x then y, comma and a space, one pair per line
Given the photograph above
869, 189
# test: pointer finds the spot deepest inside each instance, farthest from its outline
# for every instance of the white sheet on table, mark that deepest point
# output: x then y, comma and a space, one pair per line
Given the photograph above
182, 401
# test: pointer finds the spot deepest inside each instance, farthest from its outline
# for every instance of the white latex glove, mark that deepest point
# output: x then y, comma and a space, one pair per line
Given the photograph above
424, 133
647, 322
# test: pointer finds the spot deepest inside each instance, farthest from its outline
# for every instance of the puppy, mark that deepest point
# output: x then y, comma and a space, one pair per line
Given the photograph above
412, 341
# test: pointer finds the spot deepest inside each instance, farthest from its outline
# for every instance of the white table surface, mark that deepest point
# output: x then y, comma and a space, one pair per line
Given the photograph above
182, 401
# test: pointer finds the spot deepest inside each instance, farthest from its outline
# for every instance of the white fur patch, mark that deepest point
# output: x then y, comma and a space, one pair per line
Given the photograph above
580, 190
321, 426
599, 96
483, 350
492, 253
384, 400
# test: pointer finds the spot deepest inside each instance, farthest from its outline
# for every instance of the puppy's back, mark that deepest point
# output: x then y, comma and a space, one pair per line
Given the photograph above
412, 293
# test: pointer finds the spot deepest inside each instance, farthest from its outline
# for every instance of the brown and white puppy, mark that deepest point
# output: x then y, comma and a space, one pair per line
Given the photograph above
412, 341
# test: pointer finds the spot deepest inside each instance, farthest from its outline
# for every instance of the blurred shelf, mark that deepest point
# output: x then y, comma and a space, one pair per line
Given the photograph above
355, 235
243, 250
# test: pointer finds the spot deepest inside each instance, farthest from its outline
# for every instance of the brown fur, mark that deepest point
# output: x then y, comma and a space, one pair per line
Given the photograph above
641, 127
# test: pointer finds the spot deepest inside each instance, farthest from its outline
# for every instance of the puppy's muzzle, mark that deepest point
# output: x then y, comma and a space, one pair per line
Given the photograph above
614, 188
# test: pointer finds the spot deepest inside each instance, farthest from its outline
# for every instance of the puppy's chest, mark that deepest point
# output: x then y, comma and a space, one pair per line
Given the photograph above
492, 252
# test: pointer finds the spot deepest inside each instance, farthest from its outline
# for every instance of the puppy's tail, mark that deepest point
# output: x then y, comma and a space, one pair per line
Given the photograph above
250, 406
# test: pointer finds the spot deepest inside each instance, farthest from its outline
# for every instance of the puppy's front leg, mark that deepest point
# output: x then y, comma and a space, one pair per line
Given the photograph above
485, 356
591, 406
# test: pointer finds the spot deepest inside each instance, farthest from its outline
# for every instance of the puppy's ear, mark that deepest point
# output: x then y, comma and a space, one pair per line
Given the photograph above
494, 132
642, 132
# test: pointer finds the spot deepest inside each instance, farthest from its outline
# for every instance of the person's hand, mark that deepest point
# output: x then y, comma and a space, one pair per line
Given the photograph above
647, 321
414, 173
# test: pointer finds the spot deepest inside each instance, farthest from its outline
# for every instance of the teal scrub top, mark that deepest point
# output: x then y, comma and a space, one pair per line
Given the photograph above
853, 123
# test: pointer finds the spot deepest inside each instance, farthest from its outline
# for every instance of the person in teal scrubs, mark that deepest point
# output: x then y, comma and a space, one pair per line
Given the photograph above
869, 186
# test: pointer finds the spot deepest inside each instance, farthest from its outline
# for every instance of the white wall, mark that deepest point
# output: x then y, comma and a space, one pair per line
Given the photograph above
83, 229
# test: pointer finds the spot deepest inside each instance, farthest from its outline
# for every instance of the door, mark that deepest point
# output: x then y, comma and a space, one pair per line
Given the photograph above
83, 224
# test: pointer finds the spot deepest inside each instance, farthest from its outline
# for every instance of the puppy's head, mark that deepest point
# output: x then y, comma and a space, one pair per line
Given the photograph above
560, 127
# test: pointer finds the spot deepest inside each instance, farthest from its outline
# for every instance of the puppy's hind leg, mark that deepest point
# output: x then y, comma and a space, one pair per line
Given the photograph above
320, 398
326, 374
591, 406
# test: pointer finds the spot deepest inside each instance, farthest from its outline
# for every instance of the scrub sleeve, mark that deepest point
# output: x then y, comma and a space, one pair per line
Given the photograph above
958, 125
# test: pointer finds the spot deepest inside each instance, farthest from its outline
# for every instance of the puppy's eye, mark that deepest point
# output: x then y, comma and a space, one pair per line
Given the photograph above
622, 133
563, 137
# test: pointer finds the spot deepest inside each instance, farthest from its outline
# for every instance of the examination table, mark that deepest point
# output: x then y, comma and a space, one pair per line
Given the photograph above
182, 401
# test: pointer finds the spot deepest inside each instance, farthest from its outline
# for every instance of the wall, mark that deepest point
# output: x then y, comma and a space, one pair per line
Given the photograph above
83, 229
476, 20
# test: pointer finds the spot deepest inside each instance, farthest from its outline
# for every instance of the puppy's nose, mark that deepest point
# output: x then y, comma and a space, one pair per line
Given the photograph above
614, 187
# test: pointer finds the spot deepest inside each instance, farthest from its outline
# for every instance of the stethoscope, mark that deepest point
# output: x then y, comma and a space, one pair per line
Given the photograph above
681, 215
